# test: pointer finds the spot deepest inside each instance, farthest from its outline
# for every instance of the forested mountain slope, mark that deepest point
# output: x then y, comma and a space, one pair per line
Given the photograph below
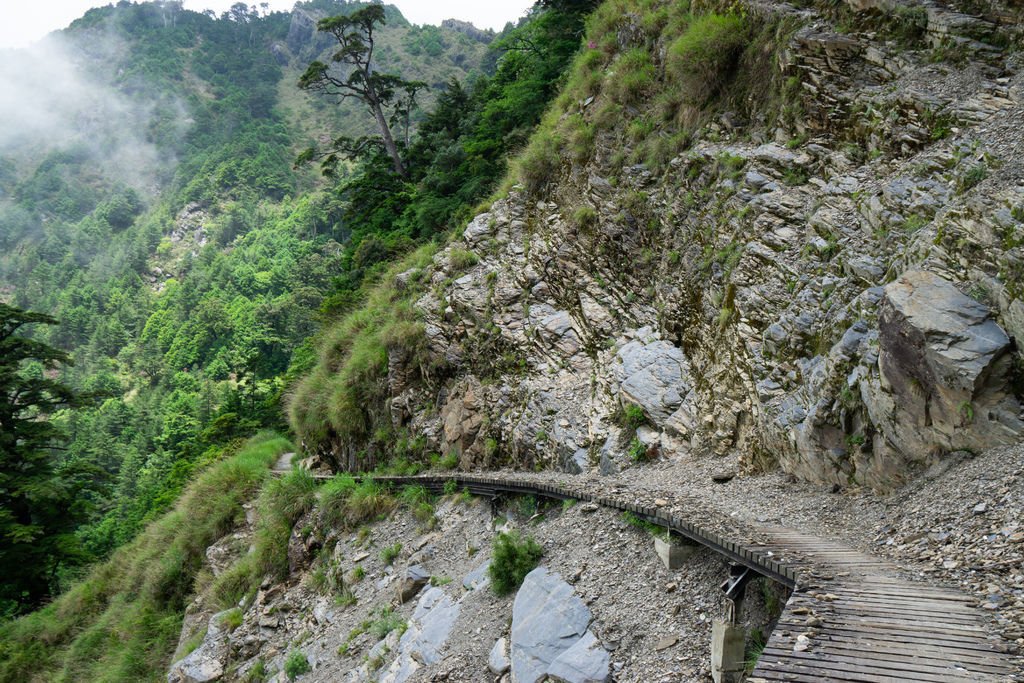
148, 201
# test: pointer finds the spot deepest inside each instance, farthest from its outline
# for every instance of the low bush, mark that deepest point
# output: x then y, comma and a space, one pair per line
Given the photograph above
512, 559
633, 416
386, 622
281, 503
540, 163
296, 664
700, 59
391, 553
584, 217
632, 76
462, 259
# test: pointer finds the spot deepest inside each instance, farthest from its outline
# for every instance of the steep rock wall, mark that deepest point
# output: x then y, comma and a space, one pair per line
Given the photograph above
839, 295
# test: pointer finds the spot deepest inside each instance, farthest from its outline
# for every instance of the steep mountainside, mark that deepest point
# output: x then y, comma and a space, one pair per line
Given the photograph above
790, 233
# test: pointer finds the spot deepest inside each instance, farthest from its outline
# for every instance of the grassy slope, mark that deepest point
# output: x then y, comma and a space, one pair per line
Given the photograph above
121, 623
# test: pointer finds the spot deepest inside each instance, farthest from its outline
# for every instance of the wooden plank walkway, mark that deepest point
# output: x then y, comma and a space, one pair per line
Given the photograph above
851, 617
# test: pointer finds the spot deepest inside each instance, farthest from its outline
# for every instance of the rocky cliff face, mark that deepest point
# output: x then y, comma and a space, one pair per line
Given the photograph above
839, 295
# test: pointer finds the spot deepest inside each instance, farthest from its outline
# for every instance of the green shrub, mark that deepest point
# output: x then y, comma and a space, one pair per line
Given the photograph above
643, 525
633, 416
296, 664
972, 176
462, 259
391, 553
637, 450
413, 495
334, 497
540, 163
258, 673
512, 559
386, 622
584, 217
632, 76
232, 619
580, 136
700, 59
449, 462
369, 501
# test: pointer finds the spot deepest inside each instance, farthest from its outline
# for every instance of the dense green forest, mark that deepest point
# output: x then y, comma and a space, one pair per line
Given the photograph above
185, 273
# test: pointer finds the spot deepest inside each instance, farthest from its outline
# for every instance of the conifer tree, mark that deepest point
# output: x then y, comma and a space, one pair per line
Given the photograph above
38, 508
356, 77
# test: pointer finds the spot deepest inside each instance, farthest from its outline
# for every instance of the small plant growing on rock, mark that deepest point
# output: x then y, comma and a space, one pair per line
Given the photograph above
358, 574
633, 416
967, 410
232, 619
512, 559
258, 673
462, 259
390, 553
754, 649
296, 664
584, 217
386, 622
637, 451
971, 177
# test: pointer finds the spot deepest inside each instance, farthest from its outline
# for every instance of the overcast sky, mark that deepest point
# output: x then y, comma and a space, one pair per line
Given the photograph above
25, 21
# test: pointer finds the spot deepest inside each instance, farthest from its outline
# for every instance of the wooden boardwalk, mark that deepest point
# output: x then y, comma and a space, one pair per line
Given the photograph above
851, 616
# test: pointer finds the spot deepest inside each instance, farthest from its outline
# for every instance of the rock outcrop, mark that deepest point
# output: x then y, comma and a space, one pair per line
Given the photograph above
550, 635
760, 293
943, 376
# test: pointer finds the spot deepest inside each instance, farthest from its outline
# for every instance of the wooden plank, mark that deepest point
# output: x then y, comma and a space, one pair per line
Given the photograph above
931, 657
900, 661
894, 670
793, 664
895, 631
926, 626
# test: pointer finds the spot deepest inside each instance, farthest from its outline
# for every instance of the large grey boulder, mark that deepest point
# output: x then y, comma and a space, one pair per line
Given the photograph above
655, 376
585, 662
548, 618
942, 382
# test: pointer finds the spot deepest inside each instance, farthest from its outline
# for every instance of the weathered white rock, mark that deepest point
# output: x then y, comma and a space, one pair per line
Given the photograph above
206, 662
428, 631
655, 376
